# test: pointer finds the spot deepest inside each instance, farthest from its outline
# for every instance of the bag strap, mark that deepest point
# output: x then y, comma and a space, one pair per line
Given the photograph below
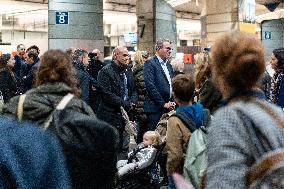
20, 111
186, 120
60, 106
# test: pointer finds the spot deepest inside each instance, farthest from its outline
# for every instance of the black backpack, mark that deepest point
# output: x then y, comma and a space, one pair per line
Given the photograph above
90, 145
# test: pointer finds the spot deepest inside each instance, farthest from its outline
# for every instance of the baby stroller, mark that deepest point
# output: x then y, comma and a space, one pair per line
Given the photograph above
146, 178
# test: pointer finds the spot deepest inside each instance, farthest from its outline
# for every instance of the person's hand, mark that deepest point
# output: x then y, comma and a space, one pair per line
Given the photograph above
170, 105
180, 182
94, 88
132, 106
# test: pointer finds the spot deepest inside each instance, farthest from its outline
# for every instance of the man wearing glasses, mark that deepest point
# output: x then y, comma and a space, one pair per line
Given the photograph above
117, 88
158, 73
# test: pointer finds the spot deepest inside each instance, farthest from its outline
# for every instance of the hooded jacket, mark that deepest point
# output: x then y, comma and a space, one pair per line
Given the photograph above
178, 135
41, 101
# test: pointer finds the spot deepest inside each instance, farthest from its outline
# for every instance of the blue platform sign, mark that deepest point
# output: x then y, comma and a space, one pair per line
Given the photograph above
267, 35
62, 17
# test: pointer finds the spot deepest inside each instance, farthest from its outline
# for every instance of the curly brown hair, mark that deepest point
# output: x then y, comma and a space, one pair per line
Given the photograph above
55, 66
4, 58
202, 69
237, 62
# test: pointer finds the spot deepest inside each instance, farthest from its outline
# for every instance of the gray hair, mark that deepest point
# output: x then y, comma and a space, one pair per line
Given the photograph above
160, 42
79, 53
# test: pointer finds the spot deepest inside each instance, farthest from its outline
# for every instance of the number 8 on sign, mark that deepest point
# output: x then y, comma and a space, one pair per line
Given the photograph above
62, 17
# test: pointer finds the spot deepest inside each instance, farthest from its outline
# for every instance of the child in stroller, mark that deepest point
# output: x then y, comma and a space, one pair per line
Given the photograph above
140, 167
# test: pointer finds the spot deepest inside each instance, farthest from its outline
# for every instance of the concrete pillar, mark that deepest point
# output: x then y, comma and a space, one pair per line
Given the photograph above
155, 19
272, 35
85, 28
219, 16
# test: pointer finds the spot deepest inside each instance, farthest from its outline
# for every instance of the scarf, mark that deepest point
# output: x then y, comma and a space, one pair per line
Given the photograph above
276, 81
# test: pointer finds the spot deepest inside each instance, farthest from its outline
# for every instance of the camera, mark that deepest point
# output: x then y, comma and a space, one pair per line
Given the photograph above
92, 55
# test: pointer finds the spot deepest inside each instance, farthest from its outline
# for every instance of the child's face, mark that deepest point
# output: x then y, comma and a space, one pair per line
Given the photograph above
147, 141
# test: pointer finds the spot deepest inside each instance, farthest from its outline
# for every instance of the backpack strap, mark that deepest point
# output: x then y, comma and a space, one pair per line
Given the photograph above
20, 111
60, 106
270, 111
186, 121
190, 124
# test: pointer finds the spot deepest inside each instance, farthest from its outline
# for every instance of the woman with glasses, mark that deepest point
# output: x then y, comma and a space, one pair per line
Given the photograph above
8, 83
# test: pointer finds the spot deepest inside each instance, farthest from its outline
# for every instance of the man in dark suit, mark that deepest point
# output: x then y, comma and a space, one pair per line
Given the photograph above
158, 73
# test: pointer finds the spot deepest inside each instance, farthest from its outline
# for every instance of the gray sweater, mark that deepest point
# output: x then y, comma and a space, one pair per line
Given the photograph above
230, 148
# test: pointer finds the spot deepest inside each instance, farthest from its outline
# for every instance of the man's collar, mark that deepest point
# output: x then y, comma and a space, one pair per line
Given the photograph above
160, 59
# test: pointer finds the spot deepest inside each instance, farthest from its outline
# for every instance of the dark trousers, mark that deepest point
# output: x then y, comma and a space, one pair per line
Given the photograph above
143, 127
123, 145
153, 119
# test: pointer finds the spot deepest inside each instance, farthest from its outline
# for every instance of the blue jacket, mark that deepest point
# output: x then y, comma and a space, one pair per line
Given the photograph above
157, 85
84, 80
30, 158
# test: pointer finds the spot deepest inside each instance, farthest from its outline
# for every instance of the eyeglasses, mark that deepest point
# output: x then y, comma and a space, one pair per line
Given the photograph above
125, 55
169, 48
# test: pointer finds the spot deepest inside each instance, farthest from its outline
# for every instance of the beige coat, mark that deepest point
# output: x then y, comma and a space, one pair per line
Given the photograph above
177, 139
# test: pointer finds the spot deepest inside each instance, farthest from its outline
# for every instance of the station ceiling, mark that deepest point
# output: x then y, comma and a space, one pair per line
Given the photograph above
185, 8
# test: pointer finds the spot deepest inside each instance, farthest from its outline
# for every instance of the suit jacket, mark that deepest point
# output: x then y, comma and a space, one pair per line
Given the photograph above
157, 85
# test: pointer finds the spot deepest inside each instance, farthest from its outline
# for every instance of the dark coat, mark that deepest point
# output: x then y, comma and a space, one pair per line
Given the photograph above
30, 158
138, 73
209, 95
41, 101
83, 79
19, 67
29, 75
157, 85
265, 84
110, 81
8, 84
94, 67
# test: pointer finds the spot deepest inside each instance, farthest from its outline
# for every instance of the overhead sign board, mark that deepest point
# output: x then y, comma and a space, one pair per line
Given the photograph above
62, 17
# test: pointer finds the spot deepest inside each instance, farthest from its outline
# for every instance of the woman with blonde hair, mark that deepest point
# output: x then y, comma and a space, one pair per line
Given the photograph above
206, 91
138, 73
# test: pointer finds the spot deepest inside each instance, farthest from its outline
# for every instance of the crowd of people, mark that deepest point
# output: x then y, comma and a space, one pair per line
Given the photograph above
78, 101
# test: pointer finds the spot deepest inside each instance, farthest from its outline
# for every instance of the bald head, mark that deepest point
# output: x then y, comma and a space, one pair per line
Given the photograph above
98, 54
120, 55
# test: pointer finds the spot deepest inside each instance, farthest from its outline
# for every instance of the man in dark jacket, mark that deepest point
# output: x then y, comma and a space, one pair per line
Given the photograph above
30, 70
95, 65
20, 62
158, 74
81, 61
117, 88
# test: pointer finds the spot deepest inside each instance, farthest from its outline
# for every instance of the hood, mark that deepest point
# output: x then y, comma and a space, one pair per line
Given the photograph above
194, 112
